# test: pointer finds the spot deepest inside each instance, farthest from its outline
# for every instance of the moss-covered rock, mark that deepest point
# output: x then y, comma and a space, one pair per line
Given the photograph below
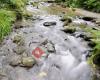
28, 62
66, 18
69, 29
27, 14
34, 4
98, 22
96, 59
91, 44
18, 39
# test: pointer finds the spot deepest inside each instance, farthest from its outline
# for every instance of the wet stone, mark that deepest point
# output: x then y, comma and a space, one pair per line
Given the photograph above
19, 24
2, 72
92, 44
98, 22
18, 39
19, 50
49, 24
85, 36
66, 19
27, 62
88, 18
50, 47
15, 60
69, 29
50, 1
96, 60
67, 22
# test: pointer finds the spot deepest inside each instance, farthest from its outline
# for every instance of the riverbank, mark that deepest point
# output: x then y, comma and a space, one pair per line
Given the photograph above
10, 12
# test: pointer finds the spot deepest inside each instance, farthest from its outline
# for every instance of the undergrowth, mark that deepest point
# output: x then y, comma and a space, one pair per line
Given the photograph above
9, 11
6, 19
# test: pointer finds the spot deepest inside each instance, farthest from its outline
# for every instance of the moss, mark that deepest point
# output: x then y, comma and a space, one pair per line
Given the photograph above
19, 4
66, 18
27, 14
34, 4
69, 29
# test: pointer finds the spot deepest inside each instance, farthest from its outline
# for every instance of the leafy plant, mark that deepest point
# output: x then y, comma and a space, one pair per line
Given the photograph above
6, 18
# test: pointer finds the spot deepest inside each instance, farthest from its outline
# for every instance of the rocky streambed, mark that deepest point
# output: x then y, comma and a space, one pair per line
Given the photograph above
66, 49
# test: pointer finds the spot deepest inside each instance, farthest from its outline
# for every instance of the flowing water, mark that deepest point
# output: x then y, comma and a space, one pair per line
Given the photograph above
67, 62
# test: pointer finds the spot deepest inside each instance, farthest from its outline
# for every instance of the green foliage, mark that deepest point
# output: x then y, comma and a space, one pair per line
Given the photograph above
9, 11
18, 4
13, 4
59, 0
6, 18
95, 39
93, 5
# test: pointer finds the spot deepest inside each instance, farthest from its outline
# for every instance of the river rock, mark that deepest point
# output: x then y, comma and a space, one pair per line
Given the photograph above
15, 60
92, 44
69, 20
96, 60
98, 22
19, 49
88, 18
85, 36
50, 47
49, 24
27, 61
50, 1
36, 18
3, 74
18, 39
69, 29
19, 24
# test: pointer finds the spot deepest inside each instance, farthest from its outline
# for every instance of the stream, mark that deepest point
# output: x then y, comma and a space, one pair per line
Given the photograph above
65, 56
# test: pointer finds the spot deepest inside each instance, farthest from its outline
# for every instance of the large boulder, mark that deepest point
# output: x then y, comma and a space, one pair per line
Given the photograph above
49, 24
